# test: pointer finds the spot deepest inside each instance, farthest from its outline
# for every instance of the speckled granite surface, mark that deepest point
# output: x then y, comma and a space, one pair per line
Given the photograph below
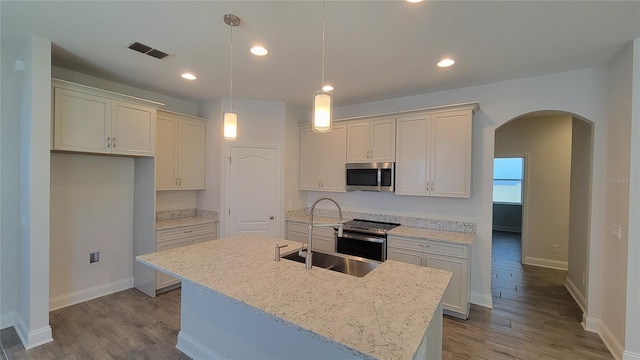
382, 315
173, 219
431, 234
455, 231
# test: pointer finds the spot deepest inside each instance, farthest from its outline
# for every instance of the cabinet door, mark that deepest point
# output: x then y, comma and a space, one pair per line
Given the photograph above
324, 239
451, 142
82, 122
134, 129
334, 147
191, 155
406, 256
358, 149
310, 160
383, 140
162, 279
455, 298
411, 156
166, 157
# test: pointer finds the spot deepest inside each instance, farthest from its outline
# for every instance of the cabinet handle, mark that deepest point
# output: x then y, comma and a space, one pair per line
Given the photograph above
108, 142
176, 181
179, 181
188, 231
423, 245
113, 142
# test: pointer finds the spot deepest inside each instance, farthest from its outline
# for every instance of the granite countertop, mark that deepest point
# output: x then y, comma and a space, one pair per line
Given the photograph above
381, 315
182, 222
431, 234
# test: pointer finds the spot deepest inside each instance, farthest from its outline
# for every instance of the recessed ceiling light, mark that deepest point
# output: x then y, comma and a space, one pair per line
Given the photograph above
414, 1
327, 88
188, 76
446, 62
259, 50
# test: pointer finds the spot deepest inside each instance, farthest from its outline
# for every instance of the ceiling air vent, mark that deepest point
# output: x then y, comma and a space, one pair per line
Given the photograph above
148, 50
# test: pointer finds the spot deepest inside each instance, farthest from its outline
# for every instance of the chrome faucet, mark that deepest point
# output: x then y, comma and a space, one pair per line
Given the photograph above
308, 254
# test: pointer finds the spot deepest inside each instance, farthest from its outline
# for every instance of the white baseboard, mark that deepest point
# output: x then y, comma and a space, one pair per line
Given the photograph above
630, 356
575, 294
7, 320
77, 297
194, 349
482, 299
590, 324
31, 339
610, 341
547, 263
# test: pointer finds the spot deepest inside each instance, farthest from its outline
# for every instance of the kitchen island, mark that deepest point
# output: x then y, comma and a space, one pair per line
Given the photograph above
237, 302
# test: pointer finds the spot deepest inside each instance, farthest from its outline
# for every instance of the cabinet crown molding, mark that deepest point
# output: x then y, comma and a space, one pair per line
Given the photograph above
473, 106
64, 84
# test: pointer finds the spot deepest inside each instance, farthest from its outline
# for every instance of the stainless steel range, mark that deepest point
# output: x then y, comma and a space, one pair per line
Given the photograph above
364, 238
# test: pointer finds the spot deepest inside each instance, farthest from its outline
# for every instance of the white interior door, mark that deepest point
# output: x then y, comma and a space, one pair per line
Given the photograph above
253, 191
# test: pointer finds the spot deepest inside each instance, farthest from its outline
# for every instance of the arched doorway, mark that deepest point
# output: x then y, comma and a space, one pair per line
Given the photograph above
553, 239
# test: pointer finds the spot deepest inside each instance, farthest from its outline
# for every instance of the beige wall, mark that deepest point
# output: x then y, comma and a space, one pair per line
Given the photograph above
175, 200
79, 184
579, 209
617, 174
545, 141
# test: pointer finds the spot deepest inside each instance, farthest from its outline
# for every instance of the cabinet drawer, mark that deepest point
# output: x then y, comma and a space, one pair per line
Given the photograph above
200, 239
430, 246
186, 231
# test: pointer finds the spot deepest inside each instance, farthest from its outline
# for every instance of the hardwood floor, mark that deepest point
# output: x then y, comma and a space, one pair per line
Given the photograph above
124, 325
534, 317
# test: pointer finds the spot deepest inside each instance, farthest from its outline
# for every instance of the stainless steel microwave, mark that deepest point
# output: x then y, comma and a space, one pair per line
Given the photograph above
370, 176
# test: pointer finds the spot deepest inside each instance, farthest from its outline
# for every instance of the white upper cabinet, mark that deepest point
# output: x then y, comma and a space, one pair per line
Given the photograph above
322, 159
433, 153
82, 122
133, 129
90, 121
180, 157
371, 141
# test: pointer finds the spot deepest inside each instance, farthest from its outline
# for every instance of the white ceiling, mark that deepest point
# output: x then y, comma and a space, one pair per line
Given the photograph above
374, 49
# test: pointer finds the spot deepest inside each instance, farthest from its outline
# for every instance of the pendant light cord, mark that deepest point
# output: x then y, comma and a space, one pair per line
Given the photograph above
324, 11
231, 71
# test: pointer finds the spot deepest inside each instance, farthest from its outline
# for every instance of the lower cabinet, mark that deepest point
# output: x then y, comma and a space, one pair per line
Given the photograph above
440, 255
323, 237
175, 238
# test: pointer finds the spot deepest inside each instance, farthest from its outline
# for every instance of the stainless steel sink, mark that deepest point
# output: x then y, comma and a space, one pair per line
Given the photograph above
345, 264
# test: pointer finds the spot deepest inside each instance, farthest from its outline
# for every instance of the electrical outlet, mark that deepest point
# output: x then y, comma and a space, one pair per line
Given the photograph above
94, 257
617, 231
555, 248
172, 205
97, 210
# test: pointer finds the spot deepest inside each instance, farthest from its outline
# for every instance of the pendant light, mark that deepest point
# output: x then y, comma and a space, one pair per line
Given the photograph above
230, 118
322, 112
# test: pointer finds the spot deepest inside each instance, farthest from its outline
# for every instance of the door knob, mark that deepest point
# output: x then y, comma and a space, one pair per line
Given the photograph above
272, 217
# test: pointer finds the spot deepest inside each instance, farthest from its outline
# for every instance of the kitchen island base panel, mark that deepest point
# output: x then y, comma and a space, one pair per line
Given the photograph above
216, 327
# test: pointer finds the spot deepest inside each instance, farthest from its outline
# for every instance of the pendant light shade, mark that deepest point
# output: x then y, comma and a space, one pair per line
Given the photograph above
230, 121
322, 113
230, 126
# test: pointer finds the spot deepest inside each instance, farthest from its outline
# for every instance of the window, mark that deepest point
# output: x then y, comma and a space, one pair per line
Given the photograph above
507, 180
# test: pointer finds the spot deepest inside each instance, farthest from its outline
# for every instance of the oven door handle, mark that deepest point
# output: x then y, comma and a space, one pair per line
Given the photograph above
362, 238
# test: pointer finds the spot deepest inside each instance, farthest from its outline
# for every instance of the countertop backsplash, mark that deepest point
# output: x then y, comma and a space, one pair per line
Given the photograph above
436, 224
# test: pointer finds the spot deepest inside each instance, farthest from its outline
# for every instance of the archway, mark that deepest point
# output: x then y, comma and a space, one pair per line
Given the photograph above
556, 195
